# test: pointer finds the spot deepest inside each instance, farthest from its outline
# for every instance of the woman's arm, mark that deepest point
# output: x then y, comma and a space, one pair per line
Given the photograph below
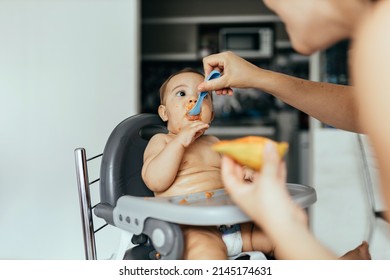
330, 103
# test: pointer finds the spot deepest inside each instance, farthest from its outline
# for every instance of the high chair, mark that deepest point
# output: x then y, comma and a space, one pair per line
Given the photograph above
371, 184
149, 224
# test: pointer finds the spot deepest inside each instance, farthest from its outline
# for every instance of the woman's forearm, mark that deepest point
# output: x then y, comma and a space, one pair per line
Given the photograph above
330, 103
295, 241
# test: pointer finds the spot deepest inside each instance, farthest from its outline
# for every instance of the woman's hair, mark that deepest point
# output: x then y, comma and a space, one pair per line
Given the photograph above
164, 85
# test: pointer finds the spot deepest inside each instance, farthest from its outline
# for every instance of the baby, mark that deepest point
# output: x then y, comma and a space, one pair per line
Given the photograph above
182, 162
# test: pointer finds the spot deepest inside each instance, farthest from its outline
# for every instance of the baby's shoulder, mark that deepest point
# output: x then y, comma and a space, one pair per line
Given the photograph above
210, 139
158, 139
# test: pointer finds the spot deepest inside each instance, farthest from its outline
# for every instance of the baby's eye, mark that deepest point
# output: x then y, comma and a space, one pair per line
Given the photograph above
181, 93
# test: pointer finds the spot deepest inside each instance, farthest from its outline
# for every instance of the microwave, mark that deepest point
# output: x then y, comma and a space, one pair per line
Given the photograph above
251, 42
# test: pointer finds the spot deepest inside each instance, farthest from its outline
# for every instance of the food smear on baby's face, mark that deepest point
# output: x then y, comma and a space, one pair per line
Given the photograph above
188, 108
194, 118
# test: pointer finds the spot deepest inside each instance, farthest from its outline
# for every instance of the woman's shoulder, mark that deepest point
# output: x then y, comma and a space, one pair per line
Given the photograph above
372, 40
381, 6
379, 18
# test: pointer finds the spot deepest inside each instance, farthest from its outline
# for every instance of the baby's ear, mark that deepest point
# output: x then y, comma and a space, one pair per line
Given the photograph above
162, 112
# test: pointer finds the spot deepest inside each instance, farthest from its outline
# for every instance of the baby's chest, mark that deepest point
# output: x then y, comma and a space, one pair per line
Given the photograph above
201, 154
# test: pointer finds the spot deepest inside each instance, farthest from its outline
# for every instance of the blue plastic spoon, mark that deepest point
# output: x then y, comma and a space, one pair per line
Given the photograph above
196, 110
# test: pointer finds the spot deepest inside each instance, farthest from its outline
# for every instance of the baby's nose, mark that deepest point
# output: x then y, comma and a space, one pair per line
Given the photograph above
192, 99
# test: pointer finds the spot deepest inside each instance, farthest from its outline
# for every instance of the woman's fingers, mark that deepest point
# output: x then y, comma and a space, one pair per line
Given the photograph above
212, 62
271, 161
229, 172
214, 84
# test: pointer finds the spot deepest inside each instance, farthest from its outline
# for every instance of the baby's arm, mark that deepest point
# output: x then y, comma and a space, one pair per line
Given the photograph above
163, 156
156, 173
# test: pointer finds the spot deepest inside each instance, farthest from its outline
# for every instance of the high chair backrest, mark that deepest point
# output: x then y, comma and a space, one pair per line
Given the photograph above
120, 170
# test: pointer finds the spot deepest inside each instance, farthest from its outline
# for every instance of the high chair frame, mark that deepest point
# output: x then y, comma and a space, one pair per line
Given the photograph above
370, 171
85, 203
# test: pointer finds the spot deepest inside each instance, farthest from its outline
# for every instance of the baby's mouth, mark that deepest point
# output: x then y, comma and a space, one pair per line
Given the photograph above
193, 118
188, 108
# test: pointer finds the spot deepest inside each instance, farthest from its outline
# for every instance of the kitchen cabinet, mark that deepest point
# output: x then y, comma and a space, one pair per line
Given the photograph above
180, 30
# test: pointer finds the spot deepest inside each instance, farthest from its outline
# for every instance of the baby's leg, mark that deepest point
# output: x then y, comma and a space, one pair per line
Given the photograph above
203, 243
255, 240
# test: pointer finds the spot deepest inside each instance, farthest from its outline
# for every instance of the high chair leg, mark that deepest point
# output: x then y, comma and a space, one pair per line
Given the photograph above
123, 245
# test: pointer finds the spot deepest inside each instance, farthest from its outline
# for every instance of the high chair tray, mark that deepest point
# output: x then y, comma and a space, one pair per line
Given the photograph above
203, 208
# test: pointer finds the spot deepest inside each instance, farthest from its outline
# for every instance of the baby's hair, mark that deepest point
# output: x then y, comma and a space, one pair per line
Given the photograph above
164, 85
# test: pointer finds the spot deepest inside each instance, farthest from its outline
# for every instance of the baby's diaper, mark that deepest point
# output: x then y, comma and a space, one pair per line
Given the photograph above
231, 235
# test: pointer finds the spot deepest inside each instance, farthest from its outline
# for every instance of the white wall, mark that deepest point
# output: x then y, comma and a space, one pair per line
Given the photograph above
68, 75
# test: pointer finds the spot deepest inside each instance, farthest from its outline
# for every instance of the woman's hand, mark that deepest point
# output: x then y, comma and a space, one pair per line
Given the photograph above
266, 199
236, 72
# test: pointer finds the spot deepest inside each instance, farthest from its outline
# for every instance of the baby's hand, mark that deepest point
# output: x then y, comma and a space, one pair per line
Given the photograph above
191, 132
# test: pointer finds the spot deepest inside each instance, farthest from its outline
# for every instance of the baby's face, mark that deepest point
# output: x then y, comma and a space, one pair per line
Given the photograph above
180, 96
